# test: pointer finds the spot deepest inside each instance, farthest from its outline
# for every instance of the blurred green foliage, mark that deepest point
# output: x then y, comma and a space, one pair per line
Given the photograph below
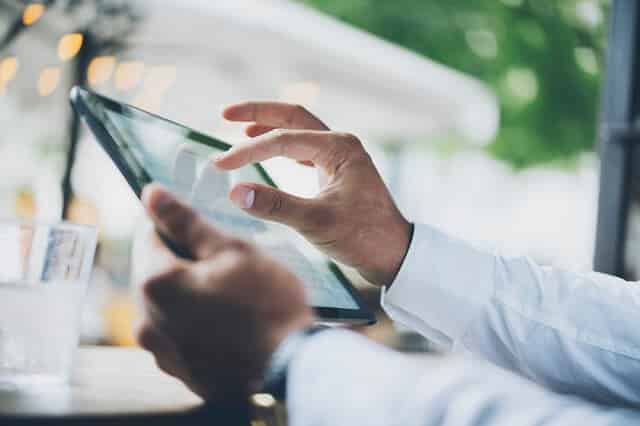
543, 59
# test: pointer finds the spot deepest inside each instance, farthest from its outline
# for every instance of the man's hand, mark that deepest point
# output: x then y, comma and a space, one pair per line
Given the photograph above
353, 219
214, 322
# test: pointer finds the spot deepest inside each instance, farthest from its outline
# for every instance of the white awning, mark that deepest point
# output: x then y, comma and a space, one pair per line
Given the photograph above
246, 49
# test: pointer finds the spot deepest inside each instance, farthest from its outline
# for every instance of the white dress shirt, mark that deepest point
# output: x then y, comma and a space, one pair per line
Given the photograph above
577, 336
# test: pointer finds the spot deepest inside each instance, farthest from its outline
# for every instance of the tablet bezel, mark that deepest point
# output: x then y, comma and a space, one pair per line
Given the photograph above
361, 316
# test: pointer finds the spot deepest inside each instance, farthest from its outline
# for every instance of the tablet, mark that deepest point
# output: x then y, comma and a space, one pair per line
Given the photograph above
147, 148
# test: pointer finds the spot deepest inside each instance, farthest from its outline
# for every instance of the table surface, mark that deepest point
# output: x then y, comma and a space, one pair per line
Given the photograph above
106, 383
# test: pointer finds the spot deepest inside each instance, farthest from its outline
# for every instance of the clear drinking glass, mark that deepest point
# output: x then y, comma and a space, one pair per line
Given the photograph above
44, 271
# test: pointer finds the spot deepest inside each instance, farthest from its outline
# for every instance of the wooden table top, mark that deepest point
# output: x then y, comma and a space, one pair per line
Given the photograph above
109, 384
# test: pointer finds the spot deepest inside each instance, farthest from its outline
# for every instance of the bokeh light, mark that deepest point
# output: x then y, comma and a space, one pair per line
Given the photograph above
100, 70
32, 13
48, 80
69, 46
8, 69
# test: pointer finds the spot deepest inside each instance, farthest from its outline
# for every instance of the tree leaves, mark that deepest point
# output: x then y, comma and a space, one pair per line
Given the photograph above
543, 58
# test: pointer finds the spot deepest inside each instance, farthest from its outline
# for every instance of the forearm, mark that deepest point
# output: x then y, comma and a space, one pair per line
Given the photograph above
575, 333
341, 378
572, 332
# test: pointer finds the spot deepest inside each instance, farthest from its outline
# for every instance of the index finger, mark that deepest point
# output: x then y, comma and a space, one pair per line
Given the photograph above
319, 147
274, 114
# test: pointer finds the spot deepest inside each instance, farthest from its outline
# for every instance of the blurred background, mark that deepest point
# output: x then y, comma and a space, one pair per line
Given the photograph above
481, 115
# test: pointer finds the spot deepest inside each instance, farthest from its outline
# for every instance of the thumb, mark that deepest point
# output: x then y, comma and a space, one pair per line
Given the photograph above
181, 224
272, 204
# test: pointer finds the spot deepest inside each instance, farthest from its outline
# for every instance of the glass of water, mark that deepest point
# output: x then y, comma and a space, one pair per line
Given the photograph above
44, 271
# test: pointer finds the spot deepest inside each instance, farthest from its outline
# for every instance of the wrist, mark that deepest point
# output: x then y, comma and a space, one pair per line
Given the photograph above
408, 237
303, 321
396, 253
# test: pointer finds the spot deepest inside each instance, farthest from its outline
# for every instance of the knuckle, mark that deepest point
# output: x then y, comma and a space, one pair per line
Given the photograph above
239, 246
337, 156
275, 205
351, 140
238, 264
155, 285
173, 273
283, 140
280, 140
231, 265
297, 112
346, 137
356, 151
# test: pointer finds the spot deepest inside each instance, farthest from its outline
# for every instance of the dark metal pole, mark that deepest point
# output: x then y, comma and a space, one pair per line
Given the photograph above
617, 136
80, 78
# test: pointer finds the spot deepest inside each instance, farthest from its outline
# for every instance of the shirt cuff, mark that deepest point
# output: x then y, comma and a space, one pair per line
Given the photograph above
442, 286
338, 376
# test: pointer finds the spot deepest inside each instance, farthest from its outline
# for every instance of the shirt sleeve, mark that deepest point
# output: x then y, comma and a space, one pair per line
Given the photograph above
572, 332
340, 378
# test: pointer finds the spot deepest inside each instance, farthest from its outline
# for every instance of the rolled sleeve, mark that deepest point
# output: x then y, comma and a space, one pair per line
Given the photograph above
441, 287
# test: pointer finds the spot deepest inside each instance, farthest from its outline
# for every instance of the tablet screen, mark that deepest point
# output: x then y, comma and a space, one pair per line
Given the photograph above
155, 149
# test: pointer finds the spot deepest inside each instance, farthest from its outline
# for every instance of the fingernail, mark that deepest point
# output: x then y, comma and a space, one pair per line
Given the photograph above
249, 199
243, 197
